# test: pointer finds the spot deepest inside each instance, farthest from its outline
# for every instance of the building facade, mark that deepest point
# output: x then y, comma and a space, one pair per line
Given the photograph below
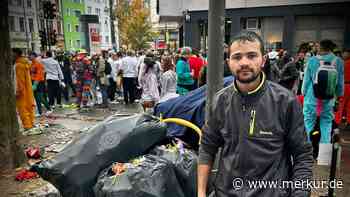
168, 31
73, 35
282, 24
23, 26
101, 8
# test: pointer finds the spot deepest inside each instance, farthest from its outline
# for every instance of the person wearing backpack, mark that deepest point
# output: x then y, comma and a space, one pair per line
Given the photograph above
323, 83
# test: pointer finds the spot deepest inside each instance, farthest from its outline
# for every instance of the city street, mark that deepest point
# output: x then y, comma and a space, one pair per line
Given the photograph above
63, 126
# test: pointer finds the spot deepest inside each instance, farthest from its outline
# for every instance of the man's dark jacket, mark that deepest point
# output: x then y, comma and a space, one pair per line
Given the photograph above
262, 138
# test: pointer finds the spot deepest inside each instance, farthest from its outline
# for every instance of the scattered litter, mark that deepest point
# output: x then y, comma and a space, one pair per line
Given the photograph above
70, 106
122, 114
46, 191
57, 147
118, 168
33, 153
85, 129
26, 175
33, 131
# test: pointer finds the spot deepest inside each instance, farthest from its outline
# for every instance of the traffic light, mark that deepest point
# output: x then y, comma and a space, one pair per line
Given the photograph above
53, 38
50, 10
43, 38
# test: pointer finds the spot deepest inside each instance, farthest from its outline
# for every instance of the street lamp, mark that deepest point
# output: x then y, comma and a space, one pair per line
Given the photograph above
187, 15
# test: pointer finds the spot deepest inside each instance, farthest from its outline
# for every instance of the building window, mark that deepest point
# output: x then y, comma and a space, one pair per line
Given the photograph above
12, 23
77, 13
252, 23
29, 3
89, 10
59, 27
77, 28
21, 24
78, 44
31, 25
42, 24
98, 11
69, 27
19, 2
106, 25
68, 12
107, 39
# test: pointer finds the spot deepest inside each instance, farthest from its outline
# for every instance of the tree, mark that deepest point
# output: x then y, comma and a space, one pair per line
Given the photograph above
10, 151
134, 25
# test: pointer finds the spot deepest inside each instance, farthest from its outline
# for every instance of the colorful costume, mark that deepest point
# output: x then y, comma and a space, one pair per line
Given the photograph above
310, 102
24, 93
184, 78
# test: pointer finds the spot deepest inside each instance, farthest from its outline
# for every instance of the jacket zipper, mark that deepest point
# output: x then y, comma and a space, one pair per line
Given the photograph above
252, 122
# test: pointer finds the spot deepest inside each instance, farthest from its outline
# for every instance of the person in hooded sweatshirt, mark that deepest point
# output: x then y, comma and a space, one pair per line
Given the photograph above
24, 93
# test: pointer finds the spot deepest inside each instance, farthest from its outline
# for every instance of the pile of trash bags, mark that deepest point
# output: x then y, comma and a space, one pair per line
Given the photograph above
123, 158
161, 173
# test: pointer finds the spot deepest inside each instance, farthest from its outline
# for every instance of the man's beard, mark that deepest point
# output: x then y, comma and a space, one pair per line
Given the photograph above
250, 79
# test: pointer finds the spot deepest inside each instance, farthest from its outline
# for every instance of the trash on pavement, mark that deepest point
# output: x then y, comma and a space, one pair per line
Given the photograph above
33, 153
185, 165
152, 177
33, 131
26, 175
46, 191
74, 170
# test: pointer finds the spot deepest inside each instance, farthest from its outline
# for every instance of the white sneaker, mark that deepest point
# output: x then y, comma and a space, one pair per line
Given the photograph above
48, 112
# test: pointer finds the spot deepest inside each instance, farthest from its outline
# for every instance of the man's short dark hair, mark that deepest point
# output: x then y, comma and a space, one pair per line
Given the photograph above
248, 36
33, 54
48, 54
327, 45
17, 51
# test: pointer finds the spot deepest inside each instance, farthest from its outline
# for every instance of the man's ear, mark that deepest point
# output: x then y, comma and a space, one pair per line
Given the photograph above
264, 58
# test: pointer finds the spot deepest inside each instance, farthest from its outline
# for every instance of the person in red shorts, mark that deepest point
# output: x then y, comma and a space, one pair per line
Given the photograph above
344, 102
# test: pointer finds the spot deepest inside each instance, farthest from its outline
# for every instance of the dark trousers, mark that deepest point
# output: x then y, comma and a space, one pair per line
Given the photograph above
40, 98
54, 91
112, 89
129, 87
66, 90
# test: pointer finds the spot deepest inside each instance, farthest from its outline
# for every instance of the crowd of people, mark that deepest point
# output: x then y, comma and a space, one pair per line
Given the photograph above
44, 80
149, 77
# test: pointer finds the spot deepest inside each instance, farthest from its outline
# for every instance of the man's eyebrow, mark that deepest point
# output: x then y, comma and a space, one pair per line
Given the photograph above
248, 53
237, 53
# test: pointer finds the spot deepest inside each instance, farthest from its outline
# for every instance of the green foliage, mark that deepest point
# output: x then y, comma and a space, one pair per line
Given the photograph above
135, 29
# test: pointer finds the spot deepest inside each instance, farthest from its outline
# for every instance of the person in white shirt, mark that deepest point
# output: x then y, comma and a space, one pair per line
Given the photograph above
54, 78
129, 71
112, 77
168, 80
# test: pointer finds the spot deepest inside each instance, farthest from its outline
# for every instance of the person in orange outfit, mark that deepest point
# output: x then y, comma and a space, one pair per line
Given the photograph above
24, 92
344, 102
38, 82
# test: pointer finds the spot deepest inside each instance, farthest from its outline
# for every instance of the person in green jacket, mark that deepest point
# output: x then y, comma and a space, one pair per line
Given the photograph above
185, 82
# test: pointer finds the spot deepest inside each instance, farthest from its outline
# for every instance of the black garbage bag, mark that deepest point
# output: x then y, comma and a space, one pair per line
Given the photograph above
152, 177
185, 163
74, 171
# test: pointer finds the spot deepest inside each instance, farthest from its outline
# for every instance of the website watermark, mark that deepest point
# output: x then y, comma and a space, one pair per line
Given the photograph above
240, 183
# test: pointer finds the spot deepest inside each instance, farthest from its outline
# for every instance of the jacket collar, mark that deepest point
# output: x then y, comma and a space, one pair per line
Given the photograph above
257, 91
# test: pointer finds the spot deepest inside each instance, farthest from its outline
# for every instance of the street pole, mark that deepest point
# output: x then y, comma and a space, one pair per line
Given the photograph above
25, 26
216, 51
112, 17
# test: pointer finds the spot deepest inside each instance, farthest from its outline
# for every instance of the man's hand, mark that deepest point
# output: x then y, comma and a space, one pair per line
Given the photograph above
203, 174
